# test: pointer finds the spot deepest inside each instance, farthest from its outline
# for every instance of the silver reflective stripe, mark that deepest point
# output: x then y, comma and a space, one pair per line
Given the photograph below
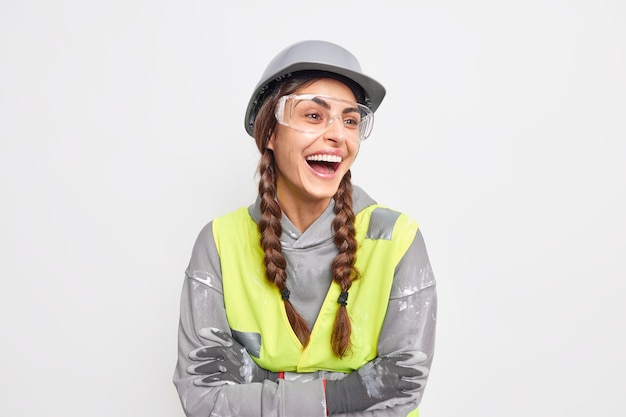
381, 223
251, 341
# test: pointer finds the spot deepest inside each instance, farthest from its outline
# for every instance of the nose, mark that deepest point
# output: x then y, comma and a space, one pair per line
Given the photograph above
335, 130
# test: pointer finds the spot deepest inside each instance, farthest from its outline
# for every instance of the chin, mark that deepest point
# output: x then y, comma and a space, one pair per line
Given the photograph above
321, 193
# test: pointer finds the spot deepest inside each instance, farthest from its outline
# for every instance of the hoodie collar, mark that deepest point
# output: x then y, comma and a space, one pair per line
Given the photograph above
321, 231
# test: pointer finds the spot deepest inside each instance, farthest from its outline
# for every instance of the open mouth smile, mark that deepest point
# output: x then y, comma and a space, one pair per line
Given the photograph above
324, 163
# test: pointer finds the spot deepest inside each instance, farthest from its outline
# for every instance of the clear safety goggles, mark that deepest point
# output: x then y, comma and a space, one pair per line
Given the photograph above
311, 113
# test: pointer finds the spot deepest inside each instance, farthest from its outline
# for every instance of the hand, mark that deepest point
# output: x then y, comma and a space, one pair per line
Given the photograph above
382, 379
226, 363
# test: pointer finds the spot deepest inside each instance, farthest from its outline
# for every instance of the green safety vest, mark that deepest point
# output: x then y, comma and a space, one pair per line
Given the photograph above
254, 305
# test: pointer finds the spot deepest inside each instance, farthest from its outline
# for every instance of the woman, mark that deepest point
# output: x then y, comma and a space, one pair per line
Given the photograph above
314, 300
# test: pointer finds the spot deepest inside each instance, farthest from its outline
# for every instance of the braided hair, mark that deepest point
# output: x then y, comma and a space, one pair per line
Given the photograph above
343, 265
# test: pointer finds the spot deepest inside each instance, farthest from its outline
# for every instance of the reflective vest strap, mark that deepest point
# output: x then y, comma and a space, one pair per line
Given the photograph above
252, 301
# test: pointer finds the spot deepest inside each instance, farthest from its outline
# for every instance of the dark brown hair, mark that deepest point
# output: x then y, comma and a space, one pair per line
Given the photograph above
343, 266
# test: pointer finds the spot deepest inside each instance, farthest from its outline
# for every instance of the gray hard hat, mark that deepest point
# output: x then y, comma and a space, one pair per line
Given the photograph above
313, 55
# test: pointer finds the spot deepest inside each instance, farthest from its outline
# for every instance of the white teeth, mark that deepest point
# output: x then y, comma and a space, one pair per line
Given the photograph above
324, 158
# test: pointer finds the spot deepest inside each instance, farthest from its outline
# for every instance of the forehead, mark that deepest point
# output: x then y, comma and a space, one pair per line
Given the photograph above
328, 87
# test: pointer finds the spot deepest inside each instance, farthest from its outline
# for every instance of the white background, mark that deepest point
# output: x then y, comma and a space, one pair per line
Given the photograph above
503, 133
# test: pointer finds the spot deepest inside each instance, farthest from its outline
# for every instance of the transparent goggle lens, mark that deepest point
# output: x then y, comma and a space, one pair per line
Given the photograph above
310, 113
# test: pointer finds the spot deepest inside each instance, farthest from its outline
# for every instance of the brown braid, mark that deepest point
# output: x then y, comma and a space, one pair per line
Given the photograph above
271, 213
343, 266
270, 228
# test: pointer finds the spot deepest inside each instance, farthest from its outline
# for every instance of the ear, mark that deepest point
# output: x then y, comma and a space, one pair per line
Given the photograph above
270, 143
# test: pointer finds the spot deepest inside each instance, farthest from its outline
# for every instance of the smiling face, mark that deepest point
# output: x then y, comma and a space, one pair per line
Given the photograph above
310, 166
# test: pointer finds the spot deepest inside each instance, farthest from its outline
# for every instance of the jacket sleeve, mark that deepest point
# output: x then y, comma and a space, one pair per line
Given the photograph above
409, 325
202, 305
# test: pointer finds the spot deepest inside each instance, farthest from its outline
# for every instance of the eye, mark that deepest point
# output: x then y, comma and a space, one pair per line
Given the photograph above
351, 121
314, 116
308, 111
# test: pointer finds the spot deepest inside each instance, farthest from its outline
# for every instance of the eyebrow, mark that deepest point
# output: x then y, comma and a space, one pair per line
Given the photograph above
324, 103
321, 102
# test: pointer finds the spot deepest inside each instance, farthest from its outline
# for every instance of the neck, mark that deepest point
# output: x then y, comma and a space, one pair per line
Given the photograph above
303, 213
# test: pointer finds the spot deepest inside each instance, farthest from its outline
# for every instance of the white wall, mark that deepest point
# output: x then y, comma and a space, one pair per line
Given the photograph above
503, 133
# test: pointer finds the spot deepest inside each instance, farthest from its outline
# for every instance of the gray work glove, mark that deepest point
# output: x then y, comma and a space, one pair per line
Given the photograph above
226, 363
380, 380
